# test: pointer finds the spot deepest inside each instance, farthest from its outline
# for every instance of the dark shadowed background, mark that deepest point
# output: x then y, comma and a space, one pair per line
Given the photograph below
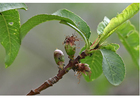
35, 63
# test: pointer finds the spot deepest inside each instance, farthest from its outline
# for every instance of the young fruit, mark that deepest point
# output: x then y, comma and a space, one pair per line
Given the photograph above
70, 46
59, 58
82, 68
70, 50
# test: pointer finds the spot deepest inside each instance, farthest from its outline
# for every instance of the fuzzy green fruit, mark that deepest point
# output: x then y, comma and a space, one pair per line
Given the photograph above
59, 58
70, 49
70, 46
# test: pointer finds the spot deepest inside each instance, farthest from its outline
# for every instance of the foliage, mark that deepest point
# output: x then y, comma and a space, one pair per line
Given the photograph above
102, 25
101, 57
115, 22
129, 37
9, 30
65, 17
95, 63
10, 6
113, 67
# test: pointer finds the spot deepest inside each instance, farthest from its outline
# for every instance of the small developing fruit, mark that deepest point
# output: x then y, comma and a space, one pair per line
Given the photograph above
59, 58
82, 68
70, 50
70, 46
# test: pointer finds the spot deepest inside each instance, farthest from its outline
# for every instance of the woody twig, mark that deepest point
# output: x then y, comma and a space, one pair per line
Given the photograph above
61, 73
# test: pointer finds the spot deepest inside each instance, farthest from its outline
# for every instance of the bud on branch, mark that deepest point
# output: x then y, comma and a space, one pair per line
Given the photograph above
60, 74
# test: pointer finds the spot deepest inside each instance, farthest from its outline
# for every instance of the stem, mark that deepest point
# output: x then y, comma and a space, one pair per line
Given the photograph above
95, 43
60, 74
105, 36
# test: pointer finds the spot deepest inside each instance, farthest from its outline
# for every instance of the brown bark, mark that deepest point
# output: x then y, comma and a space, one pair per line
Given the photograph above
55, 79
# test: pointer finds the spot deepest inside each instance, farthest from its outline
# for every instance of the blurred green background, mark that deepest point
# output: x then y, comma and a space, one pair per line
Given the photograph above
35, 63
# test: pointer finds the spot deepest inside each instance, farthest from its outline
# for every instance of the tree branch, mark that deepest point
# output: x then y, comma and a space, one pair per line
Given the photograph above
55, 79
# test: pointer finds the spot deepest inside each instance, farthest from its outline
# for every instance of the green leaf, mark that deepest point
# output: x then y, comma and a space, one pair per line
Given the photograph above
9, 34
35, 20
115, 22
113, 67
102, 25
65, 17
10, 6
112, 46
130, 39
79, 23
95, 64
82, 49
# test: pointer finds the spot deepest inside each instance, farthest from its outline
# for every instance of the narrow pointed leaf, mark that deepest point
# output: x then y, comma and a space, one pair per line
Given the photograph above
10, 6
113, 67
79, 23
129, 37
9, 34
38, 19
115, 22
102, 25
65, 17
95, 64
